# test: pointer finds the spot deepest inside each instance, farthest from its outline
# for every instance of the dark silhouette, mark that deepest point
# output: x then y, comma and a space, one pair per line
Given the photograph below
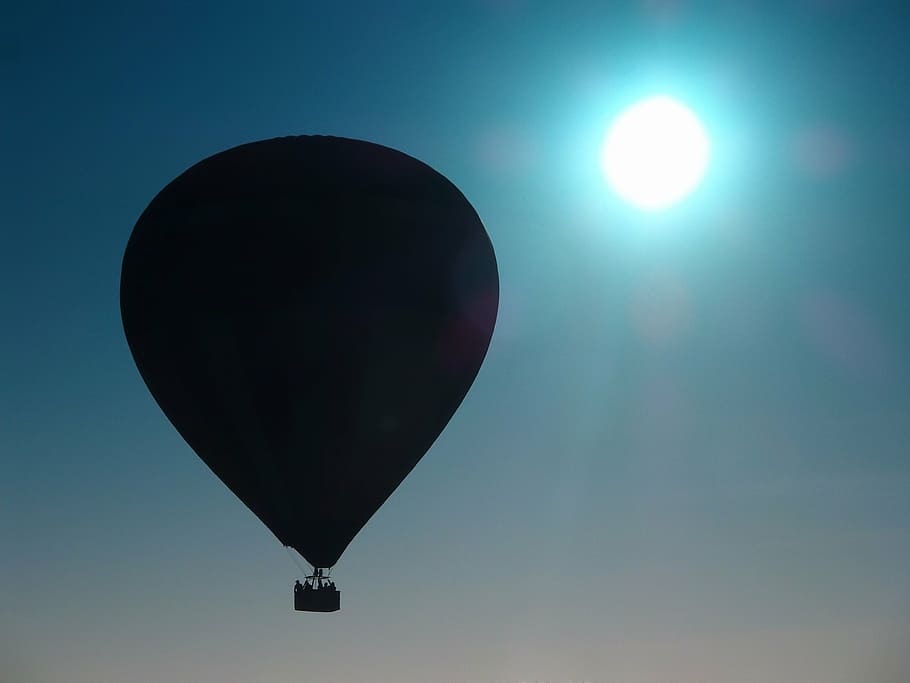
309, 312
317, 595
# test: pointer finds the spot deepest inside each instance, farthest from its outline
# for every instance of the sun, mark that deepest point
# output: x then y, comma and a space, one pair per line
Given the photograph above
655, 153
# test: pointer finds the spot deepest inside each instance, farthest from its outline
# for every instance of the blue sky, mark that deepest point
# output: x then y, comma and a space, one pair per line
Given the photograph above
685, 456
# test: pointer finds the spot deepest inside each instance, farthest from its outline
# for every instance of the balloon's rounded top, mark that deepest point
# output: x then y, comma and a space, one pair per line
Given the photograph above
304, 164
309, 312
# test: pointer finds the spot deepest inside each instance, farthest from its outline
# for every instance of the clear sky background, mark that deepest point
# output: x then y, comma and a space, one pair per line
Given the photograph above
685, 458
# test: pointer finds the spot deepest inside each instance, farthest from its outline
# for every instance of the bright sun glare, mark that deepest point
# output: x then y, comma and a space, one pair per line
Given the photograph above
655, 153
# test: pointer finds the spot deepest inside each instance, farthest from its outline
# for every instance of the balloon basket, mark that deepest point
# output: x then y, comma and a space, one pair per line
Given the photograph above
316, 596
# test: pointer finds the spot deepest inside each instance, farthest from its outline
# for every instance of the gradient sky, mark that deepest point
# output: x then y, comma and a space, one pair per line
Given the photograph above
685, 458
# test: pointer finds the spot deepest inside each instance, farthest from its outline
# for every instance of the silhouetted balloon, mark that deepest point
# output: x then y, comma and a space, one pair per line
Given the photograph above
309, 312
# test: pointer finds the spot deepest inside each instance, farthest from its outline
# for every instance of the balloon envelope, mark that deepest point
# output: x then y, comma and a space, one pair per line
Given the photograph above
309, 312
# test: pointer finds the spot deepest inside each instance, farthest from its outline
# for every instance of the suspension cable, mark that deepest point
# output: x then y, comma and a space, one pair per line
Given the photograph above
299, 566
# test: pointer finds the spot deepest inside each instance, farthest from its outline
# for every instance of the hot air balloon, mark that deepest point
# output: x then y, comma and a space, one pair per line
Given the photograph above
309, 312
